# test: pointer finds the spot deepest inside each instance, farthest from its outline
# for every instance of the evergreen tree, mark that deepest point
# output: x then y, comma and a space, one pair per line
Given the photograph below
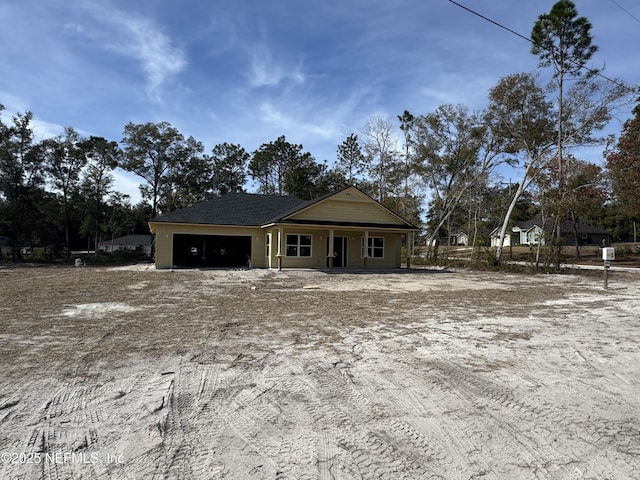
22, 176
563, 41
350, 162
229, 168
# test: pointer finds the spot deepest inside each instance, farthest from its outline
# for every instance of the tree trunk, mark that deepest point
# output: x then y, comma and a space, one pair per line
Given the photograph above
575, 234
560, 165
503, 231
539, 245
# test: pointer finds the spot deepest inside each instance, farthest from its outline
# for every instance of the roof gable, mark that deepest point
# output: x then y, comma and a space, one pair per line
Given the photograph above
349, 206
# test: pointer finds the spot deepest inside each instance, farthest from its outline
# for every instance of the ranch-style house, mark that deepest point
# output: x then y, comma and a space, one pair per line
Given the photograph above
345, 229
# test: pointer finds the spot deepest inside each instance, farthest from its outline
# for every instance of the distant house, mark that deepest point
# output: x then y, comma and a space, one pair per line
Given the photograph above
585, 234
530, 232
459, 239
5, 246
494, 237
346, 229
131, 243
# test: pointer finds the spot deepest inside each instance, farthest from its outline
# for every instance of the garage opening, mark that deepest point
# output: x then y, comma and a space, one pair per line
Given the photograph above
223, 251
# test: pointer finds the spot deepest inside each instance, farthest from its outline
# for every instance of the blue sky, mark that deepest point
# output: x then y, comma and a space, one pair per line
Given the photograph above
248, 71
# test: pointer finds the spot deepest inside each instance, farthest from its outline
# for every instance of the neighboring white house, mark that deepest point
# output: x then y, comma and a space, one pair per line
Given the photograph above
495, 238
460, 239
524, 233
132, 243
530, 233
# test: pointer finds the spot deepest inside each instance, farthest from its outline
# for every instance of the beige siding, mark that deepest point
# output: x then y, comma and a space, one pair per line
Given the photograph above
348, 206
318, 259
165, 232
343, 210
164, 246
391, 259
318, 249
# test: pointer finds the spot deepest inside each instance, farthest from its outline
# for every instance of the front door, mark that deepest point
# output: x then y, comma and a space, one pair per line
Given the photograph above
339, 251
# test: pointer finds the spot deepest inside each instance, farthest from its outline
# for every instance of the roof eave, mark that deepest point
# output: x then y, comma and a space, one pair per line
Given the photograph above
343, 226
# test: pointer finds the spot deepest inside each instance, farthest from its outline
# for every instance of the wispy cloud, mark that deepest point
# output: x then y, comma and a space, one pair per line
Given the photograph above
300, 124
128, 184
12, 103
15, 106
264, 70
43, 129
140, 39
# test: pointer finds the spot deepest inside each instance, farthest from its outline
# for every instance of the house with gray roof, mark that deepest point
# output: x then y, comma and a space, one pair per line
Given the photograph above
131, 243
345, 229
5, 246
532, 232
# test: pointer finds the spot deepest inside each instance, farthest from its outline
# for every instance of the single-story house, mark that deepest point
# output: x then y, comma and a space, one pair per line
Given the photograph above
131, 243
343, 229
459, 239
530, 232
494, 237
5, 246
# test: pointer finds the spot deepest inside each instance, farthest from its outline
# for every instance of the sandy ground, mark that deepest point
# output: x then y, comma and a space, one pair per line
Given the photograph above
118, 373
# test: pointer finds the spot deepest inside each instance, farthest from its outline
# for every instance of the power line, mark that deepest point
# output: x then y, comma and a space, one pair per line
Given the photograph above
625, 10
493, 21
590, 70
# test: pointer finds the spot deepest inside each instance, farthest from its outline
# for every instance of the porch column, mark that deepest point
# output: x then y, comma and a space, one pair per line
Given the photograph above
366, 249
279, 249
330, 249
409, 248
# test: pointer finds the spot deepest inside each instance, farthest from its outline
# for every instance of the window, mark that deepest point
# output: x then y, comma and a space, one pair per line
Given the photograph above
375, 247
268, 245
298, 245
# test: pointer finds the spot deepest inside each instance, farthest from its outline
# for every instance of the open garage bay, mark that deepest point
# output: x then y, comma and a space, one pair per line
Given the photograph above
211, 250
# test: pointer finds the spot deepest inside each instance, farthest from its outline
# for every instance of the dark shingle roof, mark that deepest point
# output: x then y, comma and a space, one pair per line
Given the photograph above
133, 240
566, 227
242, 209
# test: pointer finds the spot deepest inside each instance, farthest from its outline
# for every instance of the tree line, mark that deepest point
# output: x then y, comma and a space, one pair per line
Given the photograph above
443, 170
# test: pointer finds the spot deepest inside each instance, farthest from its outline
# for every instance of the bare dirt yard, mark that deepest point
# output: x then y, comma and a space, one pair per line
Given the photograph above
133, 373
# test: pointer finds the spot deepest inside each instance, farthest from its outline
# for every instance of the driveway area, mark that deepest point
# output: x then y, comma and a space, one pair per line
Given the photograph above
133, 373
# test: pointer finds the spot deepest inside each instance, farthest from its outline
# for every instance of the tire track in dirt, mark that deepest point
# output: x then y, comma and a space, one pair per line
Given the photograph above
231, 402
179, 450
511, 415
370, 453
499, 411
348, 400
462, 391
66, 424
442, 442
261, 416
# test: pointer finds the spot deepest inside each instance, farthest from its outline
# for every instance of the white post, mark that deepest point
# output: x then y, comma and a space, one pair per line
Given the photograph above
279, 254
366, 248
330, 251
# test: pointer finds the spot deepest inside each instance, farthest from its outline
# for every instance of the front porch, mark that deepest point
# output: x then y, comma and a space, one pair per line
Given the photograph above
303, 246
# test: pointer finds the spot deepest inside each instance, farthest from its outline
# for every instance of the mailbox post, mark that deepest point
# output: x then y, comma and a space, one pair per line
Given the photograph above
608, 254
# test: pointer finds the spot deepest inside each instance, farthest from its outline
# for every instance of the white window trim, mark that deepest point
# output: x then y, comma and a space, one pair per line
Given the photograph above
371, 249
298, 245
267, 246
